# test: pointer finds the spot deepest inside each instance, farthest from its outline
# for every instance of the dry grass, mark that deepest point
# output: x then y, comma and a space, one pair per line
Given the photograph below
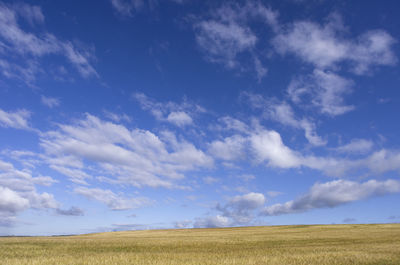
319, 244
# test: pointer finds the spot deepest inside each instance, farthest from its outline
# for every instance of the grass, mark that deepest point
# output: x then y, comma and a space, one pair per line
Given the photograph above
317, 244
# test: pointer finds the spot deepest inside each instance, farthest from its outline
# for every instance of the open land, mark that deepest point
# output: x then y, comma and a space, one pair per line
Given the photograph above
316, 244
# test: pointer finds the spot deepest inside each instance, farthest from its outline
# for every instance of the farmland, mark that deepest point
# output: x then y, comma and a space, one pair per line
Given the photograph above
317, 244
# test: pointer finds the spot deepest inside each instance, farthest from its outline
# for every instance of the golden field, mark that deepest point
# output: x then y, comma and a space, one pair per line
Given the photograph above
317, 244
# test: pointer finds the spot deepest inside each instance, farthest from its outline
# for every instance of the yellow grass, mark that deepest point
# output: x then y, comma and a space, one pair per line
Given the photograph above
319, 244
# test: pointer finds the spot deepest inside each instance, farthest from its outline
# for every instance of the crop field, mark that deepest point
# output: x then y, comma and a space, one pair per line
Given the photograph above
317, 244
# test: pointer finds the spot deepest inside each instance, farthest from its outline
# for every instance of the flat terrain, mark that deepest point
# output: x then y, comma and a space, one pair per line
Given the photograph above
319, 244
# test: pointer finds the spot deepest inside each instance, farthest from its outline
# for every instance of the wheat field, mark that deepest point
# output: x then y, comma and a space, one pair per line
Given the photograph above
317, 244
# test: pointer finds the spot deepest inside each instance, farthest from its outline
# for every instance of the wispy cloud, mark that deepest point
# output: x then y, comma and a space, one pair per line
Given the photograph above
324, 89
18, 119
31, 46
126, 7
226, 34
356, 146
137, 157
282, 112
112, 200
50, 102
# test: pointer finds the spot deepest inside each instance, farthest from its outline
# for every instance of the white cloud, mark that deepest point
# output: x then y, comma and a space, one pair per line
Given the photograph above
356, 146
373, 47
211, 222
240, 209
224, 41
265, 146
231, 148
179, 118
325, 90
75, 175
325, 45
333, 194
226, 34
229, 123
248, 201
136, 157
18, 193
382, 161
18, 119
178, 114
268, 146
50, 102
44, 181
283, 113
112, 200
11, 201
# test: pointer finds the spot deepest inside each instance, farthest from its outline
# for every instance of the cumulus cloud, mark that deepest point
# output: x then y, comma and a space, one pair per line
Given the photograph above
18, 119
179, 118
211, 222
137, 157
230, 148
333, 194
325, 46
268, 146
240, 209
261, 144
18, 193
30, 47
11, 201
248, 201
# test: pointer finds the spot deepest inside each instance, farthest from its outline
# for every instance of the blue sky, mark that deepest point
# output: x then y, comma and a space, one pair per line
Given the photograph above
144, 114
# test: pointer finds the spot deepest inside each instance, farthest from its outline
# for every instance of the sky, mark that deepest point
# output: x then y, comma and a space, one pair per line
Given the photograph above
148, 114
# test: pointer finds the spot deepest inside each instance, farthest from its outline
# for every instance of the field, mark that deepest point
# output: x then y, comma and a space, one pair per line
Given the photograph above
319, 244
